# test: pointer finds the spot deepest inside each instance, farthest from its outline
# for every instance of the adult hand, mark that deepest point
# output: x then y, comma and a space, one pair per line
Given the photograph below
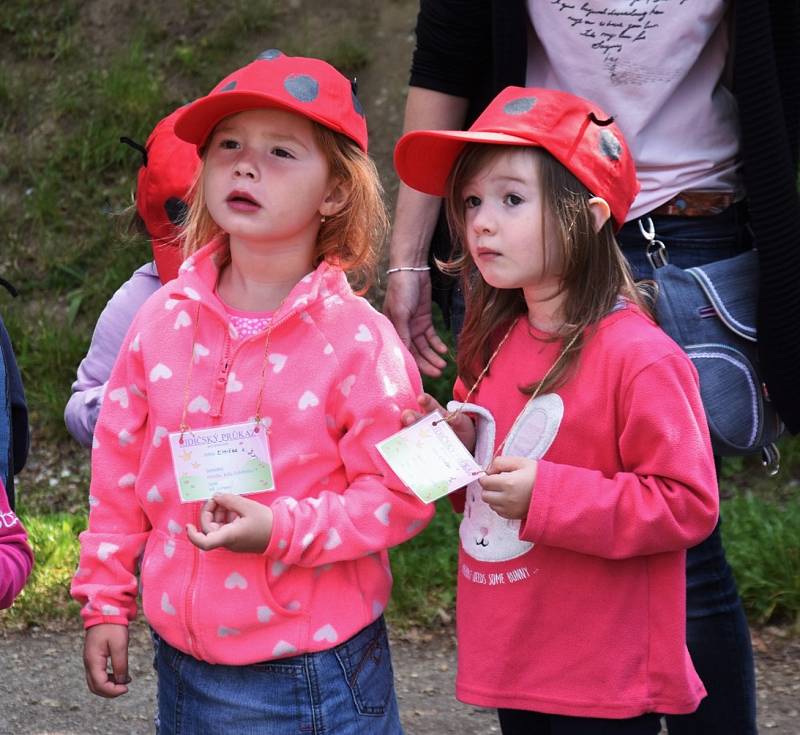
462, 425
103, 642
508, 486
233, 522
408, 306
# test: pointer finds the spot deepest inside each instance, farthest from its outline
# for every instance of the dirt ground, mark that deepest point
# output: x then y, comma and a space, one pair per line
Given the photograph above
43, 691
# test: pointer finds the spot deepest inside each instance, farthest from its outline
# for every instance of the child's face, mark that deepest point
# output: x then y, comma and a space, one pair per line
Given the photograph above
266, 179
504, 225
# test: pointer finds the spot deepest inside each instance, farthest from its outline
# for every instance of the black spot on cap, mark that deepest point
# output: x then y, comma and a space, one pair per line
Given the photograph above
229, 86
357, 106
176, 210
610, 146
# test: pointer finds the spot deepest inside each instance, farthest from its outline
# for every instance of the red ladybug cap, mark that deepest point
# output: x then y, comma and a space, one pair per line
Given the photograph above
573, 130
309, 87
162, 184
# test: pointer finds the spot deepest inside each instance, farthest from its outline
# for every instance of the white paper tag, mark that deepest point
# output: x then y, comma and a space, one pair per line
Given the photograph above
429, 458
225, 459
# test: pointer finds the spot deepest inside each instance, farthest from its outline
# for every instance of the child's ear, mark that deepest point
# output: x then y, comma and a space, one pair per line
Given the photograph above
600, 212
335, 198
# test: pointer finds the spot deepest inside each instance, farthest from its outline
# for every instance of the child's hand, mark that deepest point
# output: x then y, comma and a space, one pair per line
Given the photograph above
234, 522
508, 486
103, 642
462, 425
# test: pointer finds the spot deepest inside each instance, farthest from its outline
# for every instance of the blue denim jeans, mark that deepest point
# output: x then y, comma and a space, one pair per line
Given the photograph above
346, 690
717, 634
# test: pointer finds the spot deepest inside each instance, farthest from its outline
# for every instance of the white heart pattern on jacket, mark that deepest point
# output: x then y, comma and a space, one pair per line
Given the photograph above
182, 320
307, 400
363, 334
199, 404
105, 550
235, 581
277, 361
160, 372
326, 633
119, 395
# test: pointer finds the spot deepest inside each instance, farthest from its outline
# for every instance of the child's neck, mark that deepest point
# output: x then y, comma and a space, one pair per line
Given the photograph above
546, 313
258, 281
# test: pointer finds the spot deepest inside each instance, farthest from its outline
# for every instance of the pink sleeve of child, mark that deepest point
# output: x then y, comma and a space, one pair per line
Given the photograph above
88, 389
16, 557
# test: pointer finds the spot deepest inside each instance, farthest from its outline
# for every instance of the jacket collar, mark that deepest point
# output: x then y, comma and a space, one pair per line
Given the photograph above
198, 276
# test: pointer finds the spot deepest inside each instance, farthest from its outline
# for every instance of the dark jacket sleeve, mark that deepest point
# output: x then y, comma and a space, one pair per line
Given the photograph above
767, 89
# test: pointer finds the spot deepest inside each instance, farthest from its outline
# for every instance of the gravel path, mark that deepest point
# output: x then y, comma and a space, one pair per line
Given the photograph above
44, 693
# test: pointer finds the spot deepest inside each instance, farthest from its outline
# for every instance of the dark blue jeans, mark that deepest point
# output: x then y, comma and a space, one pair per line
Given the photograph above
716, 629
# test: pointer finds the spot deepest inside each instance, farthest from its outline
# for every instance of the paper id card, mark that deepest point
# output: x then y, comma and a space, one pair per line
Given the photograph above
224, 459
429, 458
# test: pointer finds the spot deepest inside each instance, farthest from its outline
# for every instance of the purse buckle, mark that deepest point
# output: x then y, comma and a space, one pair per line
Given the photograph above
656, 251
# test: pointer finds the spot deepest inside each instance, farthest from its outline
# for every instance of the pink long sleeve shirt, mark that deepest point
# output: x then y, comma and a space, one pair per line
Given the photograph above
337, 379
16, 557
579, 609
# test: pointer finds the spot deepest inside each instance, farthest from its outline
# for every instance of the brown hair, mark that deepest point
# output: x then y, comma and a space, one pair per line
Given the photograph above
595, 272
351, 238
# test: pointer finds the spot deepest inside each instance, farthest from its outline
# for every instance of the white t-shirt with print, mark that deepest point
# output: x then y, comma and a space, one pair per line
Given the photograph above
657, 67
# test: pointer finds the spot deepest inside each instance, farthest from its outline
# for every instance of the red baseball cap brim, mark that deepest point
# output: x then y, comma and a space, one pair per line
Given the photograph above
440, 149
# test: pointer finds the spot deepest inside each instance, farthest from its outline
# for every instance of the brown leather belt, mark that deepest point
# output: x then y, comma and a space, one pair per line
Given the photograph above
695, 203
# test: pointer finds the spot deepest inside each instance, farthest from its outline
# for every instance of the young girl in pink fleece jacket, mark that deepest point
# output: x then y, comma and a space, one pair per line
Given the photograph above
258, 371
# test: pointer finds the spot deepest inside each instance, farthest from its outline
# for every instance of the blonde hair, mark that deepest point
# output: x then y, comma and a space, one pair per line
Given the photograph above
350, 239
595, 273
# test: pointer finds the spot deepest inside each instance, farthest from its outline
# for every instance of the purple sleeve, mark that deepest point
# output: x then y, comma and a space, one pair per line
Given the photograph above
16, 557
84, 404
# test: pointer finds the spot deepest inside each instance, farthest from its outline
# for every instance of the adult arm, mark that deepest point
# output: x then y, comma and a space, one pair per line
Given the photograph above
83, 407
767, 89
408, 293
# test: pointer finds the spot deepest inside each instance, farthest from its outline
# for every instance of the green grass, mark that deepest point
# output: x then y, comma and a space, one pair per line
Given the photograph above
45, 598
762, 540
424, 570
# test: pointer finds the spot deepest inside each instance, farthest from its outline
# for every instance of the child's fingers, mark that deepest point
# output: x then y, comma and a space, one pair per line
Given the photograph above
409, 416
208, 541
504, 464
234, 505
102, 643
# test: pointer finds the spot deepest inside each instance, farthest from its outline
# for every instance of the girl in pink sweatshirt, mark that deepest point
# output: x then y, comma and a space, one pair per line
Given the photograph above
16, 557
587, 418
257, 372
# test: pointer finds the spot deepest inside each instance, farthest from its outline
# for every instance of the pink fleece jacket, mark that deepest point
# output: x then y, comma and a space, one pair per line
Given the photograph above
16, 557
580, 608
337, 379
